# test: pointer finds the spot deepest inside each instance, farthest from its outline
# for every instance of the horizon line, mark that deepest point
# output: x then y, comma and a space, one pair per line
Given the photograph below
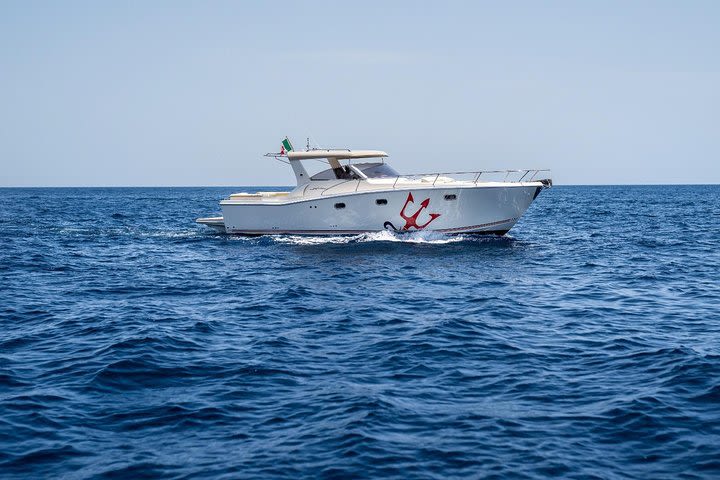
292, 186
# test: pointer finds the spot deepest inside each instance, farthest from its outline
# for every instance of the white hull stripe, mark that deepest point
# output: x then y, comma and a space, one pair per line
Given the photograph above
356, 232
475, 227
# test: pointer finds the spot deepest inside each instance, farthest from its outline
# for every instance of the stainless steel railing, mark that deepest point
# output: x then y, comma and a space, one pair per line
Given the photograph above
524, 175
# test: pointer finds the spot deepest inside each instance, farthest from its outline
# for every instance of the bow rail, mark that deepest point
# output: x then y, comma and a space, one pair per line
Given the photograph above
508, 176
449, 178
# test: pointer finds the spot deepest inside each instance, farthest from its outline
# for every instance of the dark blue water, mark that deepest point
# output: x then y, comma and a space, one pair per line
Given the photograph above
134, 343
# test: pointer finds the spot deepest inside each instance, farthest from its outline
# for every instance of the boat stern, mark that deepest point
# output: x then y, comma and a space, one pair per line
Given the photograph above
217, 223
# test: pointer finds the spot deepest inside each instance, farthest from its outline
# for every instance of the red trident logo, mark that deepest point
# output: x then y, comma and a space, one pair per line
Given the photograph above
411, 220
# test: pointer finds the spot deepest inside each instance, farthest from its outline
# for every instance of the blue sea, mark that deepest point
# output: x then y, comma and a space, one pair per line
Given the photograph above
137, 344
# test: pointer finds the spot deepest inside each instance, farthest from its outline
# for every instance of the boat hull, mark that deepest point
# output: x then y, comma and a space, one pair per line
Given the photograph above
482, 209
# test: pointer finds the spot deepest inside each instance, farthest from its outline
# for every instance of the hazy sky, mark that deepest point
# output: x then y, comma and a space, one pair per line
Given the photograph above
193, 93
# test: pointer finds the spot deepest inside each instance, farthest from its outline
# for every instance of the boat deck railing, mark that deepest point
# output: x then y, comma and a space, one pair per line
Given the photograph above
503, 176
436, 179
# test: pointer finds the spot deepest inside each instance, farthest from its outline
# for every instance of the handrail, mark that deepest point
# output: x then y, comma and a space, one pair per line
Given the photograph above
478, 174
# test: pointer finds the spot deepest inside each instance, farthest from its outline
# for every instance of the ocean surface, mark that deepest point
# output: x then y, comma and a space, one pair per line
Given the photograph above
137, 344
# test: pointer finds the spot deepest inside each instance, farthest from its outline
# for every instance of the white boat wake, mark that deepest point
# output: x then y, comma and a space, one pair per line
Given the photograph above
428, 237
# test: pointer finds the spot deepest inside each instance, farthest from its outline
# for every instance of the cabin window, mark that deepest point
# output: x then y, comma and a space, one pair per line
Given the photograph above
342, 173
452, 196
381, 201
339, 205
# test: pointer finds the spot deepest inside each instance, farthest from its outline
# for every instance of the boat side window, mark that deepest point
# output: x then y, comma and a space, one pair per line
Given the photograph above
324, 175
342, 173
339, 205
381, 201
452, 196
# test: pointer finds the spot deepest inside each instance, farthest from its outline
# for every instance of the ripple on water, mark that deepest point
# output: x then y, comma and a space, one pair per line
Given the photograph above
135, 343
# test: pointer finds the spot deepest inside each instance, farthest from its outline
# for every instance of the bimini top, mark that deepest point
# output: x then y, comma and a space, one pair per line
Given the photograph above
337, 154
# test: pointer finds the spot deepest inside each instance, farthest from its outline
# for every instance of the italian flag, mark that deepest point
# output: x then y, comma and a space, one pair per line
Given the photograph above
286, 146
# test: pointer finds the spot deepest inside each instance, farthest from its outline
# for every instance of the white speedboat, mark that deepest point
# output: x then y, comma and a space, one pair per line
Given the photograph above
359, 192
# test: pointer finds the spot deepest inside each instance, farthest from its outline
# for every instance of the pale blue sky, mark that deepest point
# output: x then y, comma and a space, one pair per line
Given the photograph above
193, 93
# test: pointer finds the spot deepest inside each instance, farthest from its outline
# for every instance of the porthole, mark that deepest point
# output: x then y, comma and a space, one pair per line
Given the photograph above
451, 197
339, 205
381, 201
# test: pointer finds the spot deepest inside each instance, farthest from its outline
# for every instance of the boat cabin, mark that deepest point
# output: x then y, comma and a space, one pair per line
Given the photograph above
341, 166
358, 171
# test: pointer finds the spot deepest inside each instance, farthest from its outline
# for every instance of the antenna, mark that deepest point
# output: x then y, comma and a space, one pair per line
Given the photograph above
307, 148
317, 145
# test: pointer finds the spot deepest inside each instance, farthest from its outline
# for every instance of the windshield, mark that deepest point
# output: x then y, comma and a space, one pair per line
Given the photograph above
376, 170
